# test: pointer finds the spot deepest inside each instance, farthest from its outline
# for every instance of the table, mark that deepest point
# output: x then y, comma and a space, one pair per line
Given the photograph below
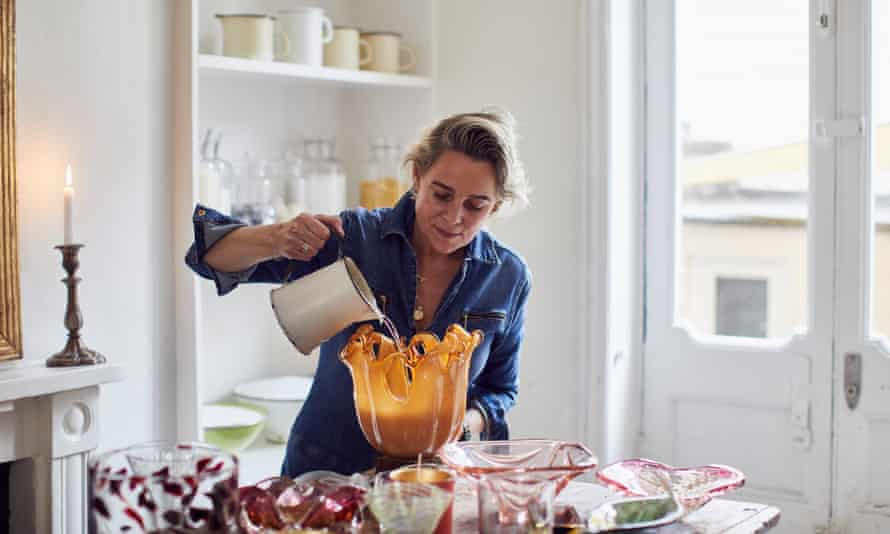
720, 516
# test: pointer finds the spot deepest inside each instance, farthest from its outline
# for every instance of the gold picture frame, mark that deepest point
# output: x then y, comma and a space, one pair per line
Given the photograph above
10, 305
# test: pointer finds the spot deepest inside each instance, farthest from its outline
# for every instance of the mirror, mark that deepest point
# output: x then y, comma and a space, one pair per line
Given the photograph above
10, 308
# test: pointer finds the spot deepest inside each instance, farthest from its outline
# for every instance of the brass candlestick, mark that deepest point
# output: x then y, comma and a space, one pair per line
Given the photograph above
75, 352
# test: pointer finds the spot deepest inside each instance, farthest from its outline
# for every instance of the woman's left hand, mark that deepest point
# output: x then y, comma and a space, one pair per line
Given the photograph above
474, 421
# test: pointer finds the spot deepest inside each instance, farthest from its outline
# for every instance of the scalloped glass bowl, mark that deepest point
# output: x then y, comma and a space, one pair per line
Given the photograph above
518, 479
410, 399
692, 486
544, 459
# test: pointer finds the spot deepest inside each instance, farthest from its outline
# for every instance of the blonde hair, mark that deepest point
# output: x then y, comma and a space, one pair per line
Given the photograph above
485, 136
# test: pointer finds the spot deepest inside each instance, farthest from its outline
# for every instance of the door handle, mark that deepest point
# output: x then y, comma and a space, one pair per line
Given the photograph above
852, 378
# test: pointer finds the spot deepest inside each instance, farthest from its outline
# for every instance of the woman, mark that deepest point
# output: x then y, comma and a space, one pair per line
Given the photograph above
428, 261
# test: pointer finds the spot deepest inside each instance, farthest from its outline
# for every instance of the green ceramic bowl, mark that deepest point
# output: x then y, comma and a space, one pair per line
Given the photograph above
232, 426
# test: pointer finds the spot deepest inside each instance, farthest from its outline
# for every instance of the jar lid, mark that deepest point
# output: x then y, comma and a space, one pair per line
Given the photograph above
246, 15
397, 34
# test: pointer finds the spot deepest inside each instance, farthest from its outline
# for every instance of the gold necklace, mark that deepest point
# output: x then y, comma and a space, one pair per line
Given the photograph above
418, 307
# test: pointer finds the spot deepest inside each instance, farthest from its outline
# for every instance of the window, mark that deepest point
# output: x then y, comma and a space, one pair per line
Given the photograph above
741, 307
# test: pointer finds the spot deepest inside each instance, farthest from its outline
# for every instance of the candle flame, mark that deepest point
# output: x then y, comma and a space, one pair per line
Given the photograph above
68, 176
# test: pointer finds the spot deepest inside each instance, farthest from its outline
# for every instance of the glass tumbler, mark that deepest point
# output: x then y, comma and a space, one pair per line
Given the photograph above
407, 507
513, 503
438, 475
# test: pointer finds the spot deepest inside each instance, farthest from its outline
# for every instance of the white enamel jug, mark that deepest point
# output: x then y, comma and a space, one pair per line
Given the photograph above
315, 307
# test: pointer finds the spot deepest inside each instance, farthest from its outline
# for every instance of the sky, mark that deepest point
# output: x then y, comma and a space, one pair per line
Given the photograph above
743, 69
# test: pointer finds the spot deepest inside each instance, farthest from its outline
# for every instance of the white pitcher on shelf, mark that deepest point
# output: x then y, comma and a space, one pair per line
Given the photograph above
306, 30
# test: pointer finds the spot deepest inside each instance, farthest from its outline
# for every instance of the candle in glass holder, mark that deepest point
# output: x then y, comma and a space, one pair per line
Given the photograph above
436, 475
68, 193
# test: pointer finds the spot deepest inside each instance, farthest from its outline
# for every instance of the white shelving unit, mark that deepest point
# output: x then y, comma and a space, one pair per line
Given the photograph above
322, 76
265, 108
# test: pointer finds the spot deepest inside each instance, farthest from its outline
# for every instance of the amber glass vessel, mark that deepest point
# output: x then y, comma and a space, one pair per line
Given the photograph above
410, 401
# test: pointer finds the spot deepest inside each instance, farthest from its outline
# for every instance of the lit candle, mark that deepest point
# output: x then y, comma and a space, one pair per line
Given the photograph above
69, 199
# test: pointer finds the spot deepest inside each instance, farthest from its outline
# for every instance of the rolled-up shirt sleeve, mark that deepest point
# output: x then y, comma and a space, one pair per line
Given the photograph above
210, 226
494, 391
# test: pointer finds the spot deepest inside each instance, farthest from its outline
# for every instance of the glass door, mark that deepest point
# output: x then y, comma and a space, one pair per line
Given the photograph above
740, 246
862, 381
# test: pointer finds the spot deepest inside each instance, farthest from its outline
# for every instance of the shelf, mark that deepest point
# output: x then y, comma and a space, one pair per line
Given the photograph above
222, 65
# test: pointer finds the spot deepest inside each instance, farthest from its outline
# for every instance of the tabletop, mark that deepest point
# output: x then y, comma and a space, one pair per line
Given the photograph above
720, 516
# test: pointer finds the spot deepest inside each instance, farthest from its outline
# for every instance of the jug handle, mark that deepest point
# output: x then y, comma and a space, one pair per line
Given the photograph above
293, 264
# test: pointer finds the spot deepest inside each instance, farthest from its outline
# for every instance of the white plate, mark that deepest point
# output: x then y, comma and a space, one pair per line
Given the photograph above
281, 388
216, 416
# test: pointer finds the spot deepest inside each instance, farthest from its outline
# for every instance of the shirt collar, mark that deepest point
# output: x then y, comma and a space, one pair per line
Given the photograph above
400, 221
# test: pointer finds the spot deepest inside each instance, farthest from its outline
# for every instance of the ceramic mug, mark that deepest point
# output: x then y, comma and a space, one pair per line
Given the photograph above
250, 36
307, 29
347, 50
387, 52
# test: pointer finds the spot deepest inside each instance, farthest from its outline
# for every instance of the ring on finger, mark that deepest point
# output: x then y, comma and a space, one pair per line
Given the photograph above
305, 247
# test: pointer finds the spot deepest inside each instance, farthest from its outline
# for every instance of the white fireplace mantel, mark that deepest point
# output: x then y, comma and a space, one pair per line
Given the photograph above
49, 417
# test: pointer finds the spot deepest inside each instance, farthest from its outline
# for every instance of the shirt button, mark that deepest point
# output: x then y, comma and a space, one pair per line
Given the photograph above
202, 213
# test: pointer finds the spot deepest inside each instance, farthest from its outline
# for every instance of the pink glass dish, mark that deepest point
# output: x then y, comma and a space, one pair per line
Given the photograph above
544, 459
693, 486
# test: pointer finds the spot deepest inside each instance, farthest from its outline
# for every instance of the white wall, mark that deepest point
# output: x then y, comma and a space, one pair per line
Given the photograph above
95, 89
522, 55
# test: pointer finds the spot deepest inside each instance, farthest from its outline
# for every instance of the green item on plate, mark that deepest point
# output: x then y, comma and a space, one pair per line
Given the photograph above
643, 511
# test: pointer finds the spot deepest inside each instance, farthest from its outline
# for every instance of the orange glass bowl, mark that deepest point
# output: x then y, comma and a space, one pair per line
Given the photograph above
410, 401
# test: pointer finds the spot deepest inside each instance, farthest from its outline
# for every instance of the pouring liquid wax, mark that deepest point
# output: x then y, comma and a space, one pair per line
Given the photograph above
410, 399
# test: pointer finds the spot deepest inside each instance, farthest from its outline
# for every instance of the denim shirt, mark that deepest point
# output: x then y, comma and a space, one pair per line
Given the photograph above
489, 293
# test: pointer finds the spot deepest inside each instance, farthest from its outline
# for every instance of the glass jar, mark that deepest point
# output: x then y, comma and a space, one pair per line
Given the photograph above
326, 180
369, 186
287, 185
267, 190
252, 198
241, 197
295, 189
399, 185
215, 180
382, 186
224, 172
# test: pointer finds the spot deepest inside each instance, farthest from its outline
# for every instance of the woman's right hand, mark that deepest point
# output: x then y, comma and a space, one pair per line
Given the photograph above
303, 236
